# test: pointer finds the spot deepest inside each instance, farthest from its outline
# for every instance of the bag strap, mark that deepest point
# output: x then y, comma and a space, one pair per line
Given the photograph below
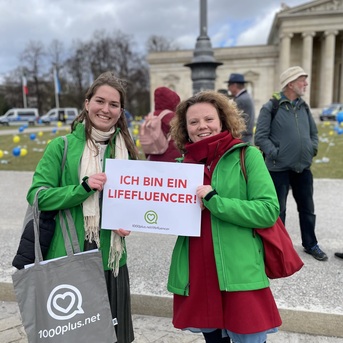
64, 152
74, 246
36, 214
71, 247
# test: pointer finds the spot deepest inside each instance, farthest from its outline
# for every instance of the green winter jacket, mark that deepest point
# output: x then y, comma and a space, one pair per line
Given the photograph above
236, 210
65, 191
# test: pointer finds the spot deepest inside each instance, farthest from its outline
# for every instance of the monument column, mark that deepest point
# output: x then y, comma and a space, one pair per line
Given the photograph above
327, 69
285, 51
307, 61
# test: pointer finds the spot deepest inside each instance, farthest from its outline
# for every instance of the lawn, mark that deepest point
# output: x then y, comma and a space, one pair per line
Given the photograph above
327, 164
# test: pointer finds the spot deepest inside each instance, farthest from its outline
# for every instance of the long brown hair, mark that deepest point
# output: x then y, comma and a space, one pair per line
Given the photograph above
229, 115
108, 78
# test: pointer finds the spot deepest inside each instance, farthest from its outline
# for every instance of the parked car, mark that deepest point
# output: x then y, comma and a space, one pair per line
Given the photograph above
20, 116
65, 115
330, 112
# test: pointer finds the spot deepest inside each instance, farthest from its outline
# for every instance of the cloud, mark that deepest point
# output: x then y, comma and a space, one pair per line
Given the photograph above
244, 22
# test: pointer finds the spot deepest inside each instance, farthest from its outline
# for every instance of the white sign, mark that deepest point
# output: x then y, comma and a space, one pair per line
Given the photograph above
155, 197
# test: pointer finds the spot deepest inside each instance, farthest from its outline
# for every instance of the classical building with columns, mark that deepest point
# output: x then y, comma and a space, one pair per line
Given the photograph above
308, 35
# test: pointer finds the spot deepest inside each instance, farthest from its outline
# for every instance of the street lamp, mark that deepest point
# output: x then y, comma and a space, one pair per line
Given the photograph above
203, 65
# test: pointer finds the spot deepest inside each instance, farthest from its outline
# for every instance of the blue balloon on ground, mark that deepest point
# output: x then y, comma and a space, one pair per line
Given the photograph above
32, 136
339, 117
21, 129
16, 151
54, 130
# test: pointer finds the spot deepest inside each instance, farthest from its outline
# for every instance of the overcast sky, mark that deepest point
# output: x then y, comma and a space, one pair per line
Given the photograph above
230, 23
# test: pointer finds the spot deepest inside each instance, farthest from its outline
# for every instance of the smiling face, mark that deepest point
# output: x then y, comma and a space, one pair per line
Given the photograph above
104, 108
202, 121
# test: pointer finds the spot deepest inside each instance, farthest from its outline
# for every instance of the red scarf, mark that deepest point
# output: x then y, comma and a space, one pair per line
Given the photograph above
209, 150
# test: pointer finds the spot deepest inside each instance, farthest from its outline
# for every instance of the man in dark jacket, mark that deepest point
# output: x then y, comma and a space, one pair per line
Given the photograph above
236, 86
289, 140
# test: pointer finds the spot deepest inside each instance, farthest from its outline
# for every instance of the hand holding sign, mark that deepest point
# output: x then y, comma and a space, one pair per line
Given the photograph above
158, 197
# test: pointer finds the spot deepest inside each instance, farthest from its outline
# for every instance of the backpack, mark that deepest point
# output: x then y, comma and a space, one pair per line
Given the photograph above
26, 253
151, 137
275, 108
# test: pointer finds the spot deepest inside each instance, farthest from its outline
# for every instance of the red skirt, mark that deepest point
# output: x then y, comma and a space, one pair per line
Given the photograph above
206, 306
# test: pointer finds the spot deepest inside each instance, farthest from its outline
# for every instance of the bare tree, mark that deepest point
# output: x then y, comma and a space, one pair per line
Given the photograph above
115, 52
78, 69
55, 53
13, 91
85, 61
157, 43
32, 59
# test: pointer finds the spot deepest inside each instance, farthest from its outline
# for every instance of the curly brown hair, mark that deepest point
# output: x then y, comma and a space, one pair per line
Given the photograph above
108, 78
230, 117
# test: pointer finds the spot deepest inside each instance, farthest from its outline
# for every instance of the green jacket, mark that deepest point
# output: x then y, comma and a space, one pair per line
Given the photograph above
65, 191
236, 210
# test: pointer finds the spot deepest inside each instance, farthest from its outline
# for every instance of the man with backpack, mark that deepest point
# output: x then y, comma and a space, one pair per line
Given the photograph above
288, 136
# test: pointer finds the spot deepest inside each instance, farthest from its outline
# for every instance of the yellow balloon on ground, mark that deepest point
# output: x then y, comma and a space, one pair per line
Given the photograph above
59, 124
331, 133
135, 131
138, 143
16, 139
1, 154
326, 123
23, 152
40, 133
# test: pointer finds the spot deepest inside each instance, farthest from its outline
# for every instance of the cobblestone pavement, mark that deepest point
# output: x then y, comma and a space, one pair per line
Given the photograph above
147, 329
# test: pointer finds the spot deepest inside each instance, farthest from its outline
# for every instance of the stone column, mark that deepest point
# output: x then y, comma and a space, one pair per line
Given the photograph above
327, 69
285, 51
307, 61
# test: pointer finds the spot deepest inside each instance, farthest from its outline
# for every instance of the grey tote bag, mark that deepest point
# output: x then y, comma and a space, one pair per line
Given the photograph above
64, 300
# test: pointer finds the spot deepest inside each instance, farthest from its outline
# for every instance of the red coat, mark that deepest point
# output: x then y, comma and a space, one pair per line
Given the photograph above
206, 306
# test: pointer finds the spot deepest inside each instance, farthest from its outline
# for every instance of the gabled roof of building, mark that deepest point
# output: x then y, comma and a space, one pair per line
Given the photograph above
309, 9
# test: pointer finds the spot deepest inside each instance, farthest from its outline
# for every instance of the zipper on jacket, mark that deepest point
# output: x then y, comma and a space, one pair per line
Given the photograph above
296, 109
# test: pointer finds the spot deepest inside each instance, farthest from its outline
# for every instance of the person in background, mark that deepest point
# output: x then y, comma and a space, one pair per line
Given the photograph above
99, 132
236, 86
218, 279
289, 141
166, 99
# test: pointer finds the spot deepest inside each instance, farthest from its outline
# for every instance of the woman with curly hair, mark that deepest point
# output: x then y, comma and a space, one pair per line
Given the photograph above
218, 279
